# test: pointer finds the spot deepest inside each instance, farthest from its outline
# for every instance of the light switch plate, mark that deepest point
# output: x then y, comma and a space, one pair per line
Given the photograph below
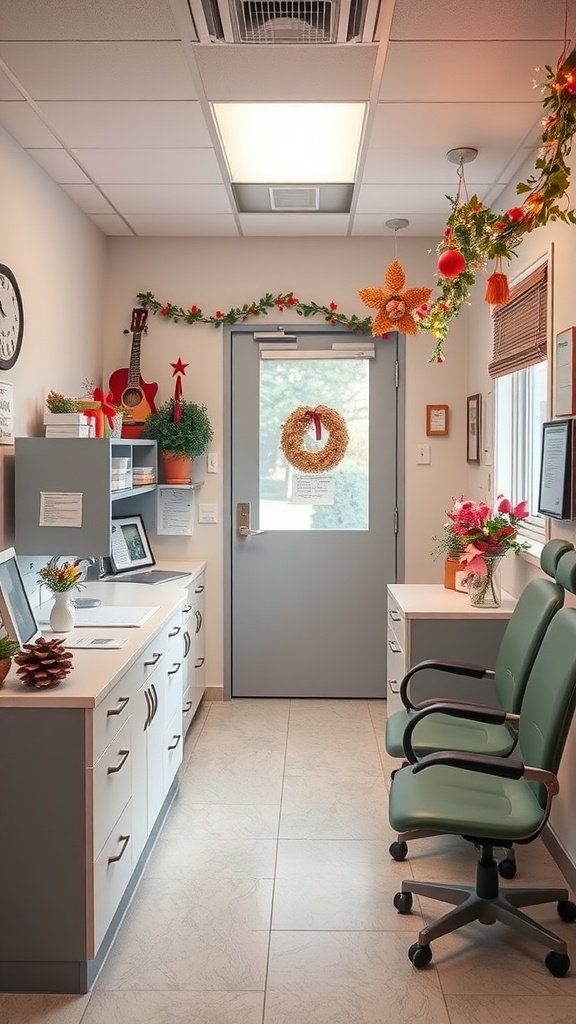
423, 455
207, 513
212, 462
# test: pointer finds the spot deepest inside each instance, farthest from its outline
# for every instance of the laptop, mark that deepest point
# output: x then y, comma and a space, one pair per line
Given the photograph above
131, 559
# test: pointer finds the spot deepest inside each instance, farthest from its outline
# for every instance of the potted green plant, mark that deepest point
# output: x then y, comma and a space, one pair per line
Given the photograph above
8, 648
182, 431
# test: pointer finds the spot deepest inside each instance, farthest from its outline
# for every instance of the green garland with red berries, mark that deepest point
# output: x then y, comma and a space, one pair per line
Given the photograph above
473, 236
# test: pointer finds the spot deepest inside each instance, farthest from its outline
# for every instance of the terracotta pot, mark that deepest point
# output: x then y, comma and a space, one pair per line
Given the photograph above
177, 468
4, 669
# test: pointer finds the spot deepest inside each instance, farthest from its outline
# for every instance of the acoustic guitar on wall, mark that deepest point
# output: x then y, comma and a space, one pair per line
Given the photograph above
133, 396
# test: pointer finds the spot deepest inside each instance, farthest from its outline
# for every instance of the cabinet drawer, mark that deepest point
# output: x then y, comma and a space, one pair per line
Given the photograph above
188, 699
109, 717
174, 631
173, 687
154, 654
112, 872
395, 672
396, 620
173, 747
112, 784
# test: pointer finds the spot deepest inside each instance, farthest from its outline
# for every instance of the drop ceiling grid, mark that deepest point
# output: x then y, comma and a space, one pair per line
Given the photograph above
459, 19
88, 19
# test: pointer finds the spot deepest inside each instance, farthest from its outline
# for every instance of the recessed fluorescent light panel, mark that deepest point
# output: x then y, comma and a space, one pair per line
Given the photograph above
290, 142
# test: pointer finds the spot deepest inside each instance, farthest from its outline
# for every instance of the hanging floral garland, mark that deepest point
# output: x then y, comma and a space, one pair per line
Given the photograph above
292, 437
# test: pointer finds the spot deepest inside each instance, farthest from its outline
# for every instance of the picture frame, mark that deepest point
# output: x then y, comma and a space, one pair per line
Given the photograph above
6, 412
130, 548
16, 611
473, 427
555, 488
437, 420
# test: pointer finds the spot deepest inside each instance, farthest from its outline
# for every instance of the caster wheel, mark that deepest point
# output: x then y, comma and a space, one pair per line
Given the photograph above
558, 964
420, 956
394, 774
403, 902
398, 851
566, 910
507, 868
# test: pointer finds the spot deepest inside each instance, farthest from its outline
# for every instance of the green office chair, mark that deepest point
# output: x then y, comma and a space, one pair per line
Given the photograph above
538, 603
493, 801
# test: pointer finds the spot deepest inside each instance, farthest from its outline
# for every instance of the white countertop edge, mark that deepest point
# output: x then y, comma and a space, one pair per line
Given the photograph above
433, 601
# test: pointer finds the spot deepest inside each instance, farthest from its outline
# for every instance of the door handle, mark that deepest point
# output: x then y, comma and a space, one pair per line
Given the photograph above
243, 527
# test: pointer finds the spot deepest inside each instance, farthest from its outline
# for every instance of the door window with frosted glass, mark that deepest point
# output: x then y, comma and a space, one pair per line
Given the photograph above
340, 495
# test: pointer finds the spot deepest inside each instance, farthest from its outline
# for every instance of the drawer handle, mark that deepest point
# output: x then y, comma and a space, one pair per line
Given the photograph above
394, 685
175, 744
177, 667
174, 632
198, 621
394, 647
199, 663
187, 707
199, 590
155, 660
154, 699
395, 616
149, 711
187, 609
125, 754
125, 840
122, 702
187, 643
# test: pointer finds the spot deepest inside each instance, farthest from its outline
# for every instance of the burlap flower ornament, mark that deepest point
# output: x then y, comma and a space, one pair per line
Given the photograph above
395, 307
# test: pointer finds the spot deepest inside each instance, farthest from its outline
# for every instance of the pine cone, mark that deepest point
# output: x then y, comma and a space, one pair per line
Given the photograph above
44, 663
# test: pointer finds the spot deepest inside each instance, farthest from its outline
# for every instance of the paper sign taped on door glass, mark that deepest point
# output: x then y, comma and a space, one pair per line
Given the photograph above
60, 508
312, 490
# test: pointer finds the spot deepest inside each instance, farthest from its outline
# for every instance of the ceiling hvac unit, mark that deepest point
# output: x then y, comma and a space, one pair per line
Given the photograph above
284, 21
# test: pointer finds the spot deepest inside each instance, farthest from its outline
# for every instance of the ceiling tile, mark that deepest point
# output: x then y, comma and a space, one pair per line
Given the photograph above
7, 90
469, 72
24, 125
184, 225
126, 125
59, 165
100, 71
86, 19
421, 225
286, 73
88, 198
174, 199
403, 200
463, 19
110, 224
151, 166
294, 224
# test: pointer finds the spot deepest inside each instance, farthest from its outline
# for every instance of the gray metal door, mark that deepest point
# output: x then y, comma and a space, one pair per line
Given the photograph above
308, 585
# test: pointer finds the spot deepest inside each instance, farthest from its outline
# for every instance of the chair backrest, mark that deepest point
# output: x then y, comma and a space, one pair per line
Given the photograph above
550, 695
537, 605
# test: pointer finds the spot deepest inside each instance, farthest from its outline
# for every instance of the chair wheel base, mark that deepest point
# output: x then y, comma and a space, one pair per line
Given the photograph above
566, 910
420, 956
507, 868
557, 963
403, 902
398, 850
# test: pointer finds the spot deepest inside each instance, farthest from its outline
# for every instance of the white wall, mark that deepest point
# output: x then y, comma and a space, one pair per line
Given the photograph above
518, 571
220, 273
58, 256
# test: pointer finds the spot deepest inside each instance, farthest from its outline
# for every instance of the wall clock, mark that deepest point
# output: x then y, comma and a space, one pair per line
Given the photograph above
11, 318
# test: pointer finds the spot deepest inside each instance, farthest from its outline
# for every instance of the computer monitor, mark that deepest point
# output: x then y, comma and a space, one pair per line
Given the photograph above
17, 613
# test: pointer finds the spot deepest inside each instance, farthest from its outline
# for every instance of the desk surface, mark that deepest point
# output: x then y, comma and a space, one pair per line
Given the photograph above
433, 601
95, 673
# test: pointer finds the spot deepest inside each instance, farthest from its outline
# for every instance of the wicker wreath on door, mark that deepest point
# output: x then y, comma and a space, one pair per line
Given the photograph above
292, 437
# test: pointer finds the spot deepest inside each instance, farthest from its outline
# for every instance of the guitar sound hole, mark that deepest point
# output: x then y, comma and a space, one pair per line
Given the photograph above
132, 397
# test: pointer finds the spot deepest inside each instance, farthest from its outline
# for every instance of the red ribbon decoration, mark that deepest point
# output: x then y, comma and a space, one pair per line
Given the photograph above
106, 410
313, 415
177, 416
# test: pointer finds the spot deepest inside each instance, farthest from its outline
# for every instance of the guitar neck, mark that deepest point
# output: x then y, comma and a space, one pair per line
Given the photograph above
134, 369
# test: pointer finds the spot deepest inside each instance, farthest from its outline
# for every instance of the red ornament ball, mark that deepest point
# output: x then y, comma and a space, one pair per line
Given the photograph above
451, 263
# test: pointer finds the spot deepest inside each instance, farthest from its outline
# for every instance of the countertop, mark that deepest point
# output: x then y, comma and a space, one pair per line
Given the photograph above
433, 601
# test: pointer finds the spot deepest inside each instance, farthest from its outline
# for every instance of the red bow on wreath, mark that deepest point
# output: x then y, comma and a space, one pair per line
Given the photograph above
106, 410
313, 415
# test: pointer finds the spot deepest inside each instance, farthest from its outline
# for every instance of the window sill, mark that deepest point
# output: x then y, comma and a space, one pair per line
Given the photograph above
533, 555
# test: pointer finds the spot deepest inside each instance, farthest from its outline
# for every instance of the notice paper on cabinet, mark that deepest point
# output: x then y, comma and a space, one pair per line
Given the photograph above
60, 508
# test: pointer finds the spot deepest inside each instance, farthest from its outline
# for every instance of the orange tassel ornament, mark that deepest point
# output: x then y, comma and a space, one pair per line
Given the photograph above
497, 290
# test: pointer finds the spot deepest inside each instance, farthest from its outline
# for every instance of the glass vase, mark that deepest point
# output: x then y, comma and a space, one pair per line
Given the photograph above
486, 591
62, 616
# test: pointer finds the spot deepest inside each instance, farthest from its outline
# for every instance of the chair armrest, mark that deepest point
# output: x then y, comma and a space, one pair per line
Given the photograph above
503, 767
455, 709
450, 667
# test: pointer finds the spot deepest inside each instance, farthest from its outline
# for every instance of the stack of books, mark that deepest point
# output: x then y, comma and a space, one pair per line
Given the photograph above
143, 475
121, 475
68, 424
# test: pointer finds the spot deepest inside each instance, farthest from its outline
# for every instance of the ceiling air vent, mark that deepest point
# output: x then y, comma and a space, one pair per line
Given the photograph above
284, 21
293, 198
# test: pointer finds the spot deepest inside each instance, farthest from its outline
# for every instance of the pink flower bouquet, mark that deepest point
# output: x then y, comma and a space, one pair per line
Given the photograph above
483, 532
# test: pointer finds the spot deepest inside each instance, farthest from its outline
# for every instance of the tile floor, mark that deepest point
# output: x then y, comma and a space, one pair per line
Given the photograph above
268, 897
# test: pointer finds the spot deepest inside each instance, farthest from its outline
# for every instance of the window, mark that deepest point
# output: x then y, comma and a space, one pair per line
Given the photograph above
521, 399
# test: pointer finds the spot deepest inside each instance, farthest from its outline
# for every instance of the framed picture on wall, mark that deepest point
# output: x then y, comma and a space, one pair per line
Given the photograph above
436, 420
473, 424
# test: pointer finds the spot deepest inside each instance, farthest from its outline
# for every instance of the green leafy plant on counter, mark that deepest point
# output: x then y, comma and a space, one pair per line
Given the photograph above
189, 436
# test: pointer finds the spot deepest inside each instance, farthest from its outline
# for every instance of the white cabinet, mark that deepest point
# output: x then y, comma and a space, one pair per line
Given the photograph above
426, 621
194, 649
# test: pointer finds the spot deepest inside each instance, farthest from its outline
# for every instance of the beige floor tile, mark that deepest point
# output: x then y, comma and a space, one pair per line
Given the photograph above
512, 1009
246, 777
207, 934
174, 1008
239, 737
327, 713
337, 884
269, 715
189, 859
41, 1009
221, 821
356, 755
344, 977
327, 805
